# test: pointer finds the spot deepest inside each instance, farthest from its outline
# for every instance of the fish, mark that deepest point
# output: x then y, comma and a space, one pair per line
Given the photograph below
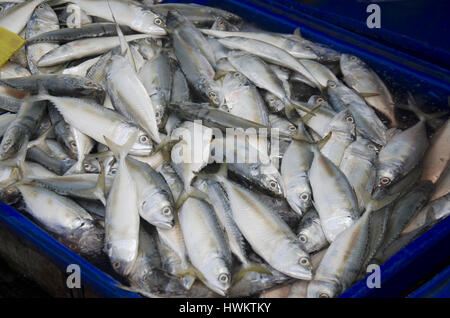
57, 85
437, 155
401, 154
156, 77
17, 135
83, 48
243, 99
435, 210
343, 131
5, 121
334, 198
16, 18
266, 232
310, 232
359, 166
130, 13
359, 76
42, 20
202, 234
442, 185
269, 53
130, 97
368, 123
96, 122
155, 200
92, 30
122, 215
342, 261
294, 48
71, 224
196, 67
295, 165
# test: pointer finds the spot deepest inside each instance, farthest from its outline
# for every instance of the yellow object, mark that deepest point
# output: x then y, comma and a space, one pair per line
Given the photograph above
9, 44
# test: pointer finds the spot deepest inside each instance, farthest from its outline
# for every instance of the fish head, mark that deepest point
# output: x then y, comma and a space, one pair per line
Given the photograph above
298, 194
304, 50
10, 195
90, 239
290, 259
122, 254
157, 209
350, 63
318, 100
234, 80
344, 122
213, 91
273, 102
217, 275
270, 179
150, 22
91, 166
386, 176
322, 289
143, 145
12, 141
311, 235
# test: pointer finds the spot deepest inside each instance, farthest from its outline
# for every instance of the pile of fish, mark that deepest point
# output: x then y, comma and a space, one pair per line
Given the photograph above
98, 123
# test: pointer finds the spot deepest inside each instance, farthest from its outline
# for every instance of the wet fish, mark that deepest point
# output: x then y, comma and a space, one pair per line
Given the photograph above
310, 232
64, 218
359, 76
334, 198
16, 18
205, 244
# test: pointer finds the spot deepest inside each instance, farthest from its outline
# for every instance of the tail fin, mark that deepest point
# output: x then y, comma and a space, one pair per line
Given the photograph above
413, 107
121, 151
99, 190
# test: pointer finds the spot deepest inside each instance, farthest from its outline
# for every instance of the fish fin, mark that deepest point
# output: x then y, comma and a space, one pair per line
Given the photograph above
40, 140
413, 107
323, 141
250, 267
308, 116
300, 105
121, 150
165, 148
191, 192
297, 33
124, 46
219, 75
368, 94
99, 190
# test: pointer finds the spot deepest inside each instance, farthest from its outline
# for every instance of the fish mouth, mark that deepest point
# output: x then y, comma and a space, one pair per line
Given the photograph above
163, 225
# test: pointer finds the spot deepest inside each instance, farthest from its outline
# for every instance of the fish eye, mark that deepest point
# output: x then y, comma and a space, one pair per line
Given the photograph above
372, 147
303, 238
72, 246
113, 170
212, 94
292, 128
353, 58
385, 181
350, 119
273, 184
157, 114
73, 145
167, 211
224, 278
158, 21
116, 265
143, 139
324, 295
303, 261
304, 197
332, 84
87, 167
236, 75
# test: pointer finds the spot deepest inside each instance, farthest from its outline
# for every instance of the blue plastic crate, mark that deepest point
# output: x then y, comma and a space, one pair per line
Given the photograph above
399, 69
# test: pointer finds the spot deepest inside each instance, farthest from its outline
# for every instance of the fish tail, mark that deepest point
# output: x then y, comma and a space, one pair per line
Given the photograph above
99, 190
121, 150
